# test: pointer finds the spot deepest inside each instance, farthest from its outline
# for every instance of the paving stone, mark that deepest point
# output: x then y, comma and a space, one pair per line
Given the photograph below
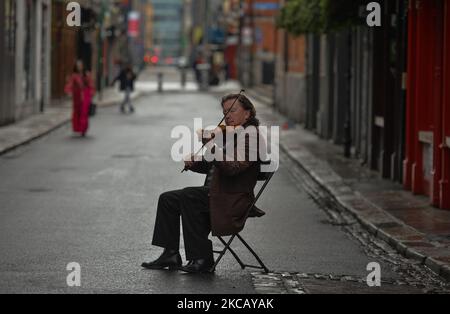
340, 284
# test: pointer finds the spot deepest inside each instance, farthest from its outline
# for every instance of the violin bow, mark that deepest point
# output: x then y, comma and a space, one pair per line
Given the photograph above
223, 119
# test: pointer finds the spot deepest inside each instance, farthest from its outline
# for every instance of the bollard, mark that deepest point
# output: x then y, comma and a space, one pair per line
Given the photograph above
204, 76
160, 82
183, 77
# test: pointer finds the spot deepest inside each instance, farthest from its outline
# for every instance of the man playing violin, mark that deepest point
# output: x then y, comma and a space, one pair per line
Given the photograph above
222, 205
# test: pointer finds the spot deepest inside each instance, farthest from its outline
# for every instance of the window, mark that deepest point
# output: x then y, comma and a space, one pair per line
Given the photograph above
29, 37
10, 25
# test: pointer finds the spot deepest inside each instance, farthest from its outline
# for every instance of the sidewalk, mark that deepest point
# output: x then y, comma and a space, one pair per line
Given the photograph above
407, 222
55, 116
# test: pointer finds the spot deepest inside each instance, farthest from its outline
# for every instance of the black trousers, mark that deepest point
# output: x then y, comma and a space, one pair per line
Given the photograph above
192, 205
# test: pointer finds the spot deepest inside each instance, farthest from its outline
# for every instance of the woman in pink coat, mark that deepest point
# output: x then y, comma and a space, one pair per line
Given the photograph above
81, 87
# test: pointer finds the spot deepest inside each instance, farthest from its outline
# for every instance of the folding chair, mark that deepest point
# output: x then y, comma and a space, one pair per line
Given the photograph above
266, 177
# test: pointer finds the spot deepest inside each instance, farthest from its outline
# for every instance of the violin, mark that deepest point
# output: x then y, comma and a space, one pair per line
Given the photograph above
221, 126
211, 135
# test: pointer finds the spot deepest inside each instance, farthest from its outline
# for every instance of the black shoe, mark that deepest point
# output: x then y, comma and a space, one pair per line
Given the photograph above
169, 259
199, 266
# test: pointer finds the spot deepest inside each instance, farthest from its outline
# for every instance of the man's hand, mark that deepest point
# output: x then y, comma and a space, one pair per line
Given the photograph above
207, 136
189, 161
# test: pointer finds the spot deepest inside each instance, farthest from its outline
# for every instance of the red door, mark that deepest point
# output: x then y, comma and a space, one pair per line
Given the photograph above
422, 91
427, 158
437, 99
444, 193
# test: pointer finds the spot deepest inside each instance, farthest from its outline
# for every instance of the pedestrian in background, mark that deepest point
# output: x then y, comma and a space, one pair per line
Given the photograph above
80, 86
197, 62
126, 78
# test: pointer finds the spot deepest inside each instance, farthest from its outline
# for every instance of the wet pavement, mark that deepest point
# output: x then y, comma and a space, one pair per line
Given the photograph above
406, 221
411, 276
55, 116
93, 201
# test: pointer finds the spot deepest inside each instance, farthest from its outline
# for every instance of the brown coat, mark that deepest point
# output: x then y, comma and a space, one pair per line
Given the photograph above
231, 190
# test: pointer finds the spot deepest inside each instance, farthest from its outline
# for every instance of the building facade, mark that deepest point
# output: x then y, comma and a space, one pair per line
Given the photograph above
64, 48
383, 94
7, 60
263, 31
167, 29
25, 50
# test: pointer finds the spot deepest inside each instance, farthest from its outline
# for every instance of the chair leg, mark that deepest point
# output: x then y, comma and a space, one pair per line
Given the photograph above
222, 253
228, 247
266, 270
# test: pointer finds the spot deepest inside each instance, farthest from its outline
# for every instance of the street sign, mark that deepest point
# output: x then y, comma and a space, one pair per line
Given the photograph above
266, 6
133, 24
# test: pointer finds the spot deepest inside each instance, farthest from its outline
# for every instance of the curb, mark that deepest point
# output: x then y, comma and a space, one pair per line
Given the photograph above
35, 137
58, 125
440, 268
